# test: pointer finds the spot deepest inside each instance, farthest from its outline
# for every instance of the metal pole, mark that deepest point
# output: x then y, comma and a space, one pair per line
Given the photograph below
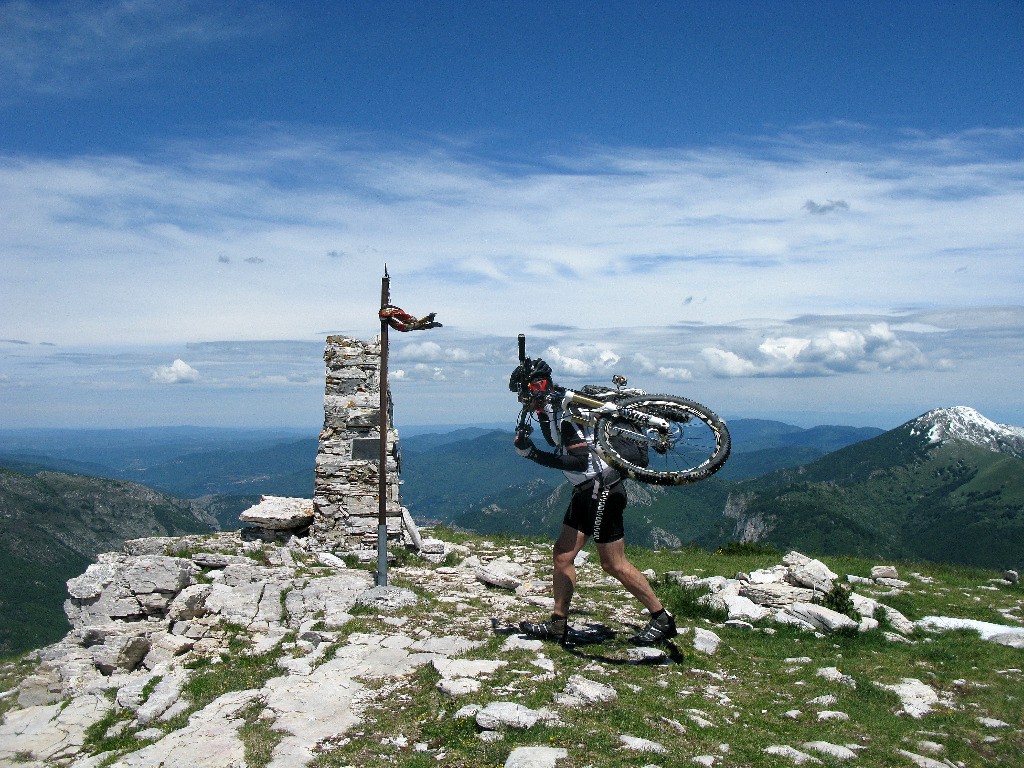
382, 475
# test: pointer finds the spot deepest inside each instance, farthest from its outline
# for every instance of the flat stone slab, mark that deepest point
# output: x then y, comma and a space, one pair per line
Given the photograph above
279, 513
49, 732
535, 757
506, 714
917, 698
987, 629
210, 740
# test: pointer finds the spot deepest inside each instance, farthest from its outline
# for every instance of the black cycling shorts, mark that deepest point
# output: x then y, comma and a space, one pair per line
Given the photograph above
599, 517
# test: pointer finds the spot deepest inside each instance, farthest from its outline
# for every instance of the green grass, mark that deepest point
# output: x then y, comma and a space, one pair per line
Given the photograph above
745, 689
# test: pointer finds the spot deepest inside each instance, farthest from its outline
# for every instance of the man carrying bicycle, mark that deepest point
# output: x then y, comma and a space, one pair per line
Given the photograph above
595, 509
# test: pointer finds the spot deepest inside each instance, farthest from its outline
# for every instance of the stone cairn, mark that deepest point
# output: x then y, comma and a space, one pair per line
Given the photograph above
346, 489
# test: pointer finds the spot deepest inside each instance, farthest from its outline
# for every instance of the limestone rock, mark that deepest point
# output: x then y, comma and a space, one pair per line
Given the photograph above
120, 653
744, 609
813, 574
329, 598
168, 575
705, 641
917, 698
899, 622
636, 744
798, 757
580, 692
387, 598
279, 513
501, 573
1009, 639
506, 714
884, 572
190, 603
775, 594
535, 757
821, 617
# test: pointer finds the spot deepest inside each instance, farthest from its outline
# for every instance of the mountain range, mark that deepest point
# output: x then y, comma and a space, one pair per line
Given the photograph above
52, 526
947, 486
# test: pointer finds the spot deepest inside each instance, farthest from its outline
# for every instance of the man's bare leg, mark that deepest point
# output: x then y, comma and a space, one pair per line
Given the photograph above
563, 581
614, 562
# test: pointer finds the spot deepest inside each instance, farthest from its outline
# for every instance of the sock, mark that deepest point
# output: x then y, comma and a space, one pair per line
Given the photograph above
660, 615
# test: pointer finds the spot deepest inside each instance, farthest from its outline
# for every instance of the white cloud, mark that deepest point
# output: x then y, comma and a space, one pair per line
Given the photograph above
629, 233
560, 363
644, 363
178, 372
676, 374
829, 352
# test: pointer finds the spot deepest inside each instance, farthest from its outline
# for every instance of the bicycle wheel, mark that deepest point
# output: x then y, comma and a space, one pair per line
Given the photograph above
694, 447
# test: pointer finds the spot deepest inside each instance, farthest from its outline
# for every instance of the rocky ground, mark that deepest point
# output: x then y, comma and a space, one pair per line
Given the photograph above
214, 651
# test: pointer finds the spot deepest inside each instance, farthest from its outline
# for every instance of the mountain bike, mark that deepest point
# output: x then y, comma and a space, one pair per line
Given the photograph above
685, 441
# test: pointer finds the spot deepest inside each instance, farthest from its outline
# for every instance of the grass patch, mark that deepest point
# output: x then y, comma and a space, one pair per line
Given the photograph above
258, 735
235, 670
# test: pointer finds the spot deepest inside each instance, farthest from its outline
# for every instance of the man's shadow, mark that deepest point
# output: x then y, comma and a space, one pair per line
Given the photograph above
594, 633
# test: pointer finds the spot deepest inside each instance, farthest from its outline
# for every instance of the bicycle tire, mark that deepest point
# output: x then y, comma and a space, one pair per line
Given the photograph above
697, 445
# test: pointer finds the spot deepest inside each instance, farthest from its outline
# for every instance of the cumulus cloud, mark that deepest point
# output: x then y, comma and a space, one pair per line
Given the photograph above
676, 374
828, 352
178, 372
580, 361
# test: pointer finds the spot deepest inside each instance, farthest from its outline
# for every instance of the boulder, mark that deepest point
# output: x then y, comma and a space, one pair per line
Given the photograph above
279, 513
189, 603
865, 606
168, 575
897, 620
744, 609
775, 594
535, 757
120, 653
705, 641
884, 572
579, 691
917, 698
821, 617
502, 573
506, 714
813, 574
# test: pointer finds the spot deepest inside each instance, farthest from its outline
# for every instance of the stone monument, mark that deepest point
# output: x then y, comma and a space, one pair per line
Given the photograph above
346, 488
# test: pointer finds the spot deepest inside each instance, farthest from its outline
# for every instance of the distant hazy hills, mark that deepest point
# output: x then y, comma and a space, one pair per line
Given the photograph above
475, 480
52, 526
227, 469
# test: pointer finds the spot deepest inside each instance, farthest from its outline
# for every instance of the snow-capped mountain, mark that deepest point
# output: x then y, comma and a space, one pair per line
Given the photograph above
964, 424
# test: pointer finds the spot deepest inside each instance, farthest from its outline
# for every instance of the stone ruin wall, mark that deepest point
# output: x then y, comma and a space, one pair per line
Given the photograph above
345, 497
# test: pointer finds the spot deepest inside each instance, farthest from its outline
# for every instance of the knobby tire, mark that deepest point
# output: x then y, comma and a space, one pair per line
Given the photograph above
700, 441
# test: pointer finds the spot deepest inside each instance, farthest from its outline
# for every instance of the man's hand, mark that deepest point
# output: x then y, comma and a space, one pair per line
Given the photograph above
524, 446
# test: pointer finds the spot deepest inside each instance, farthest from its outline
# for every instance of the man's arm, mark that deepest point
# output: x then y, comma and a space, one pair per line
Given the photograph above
575, 459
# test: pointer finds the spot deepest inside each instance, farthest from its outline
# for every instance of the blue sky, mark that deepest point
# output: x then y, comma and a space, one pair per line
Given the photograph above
804, 211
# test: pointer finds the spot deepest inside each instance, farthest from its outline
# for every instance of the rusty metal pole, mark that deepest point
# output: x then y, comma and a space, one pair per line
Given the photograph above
382, 473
